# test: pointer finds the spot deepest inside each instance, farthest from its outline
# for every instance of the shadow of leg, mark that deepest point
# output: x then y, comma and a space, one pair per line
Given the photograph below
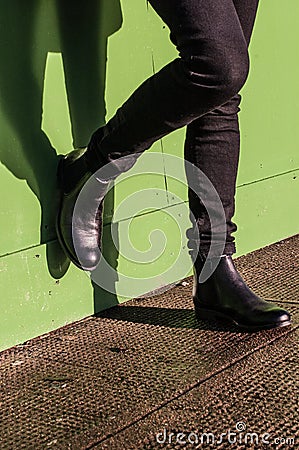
27, 153
105, 282
84, 30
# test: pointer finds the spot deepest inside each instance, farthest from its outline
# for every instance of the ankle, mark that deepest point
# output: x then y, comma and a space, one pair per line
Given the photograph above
94, 159
72, 168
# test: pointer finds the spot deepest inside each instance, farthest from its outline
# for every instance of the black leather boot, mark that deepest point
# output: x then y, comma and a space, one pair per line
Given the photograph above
80, 234
224, 296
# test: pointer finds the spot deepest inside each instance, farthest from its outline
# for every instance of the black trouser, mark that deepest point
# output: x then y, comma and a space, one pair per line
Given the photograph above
199, 89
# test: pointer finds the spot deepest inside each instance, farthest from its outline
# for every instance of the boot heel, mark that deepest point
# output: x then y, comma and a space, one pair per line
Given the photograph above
209, 315
205, 314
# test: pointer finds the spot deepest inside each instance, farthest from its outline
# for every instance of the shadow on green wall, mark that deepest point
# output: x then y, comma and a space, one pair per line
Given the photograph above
80, 31
105, 298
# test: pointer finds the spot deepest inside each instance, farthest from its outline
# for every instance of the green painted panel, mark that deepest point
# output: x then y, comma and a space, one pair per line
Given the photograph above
19, 214
269, 116
153, 251
267, 211
33, 302
173, 144
134, 191
56, 121
129, 55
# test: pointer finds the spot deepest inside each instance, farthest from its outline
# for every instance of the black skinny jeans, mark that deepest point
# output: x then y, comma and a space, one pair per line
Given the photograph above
199, 89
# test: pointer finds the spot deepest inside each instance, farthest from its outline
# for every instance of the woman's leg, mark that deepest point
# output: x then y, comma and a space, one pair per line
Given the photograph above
212, 144
211, 68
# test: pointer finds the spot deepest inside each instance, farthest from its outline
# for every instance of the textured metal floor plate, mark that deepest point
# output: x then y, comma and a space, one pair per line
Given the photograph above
252, 404
115, 380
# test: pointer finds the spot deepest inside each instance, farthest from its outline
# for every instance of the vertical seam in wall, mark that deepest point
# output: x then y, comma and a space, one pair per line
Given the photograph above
161, 144
161, 141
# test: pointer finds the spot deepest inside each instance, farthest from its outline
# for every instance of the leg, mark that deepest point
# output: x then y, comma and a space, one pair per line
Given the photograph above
212, 67
212, 144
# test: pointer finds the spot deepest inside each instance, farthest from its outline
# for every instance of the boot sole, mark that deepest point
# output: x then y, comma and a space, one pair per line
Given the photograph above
209, 315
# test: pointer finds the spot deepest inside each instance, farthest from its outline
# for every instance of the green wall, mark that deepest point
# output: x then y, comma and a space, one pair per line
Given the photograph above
50, 103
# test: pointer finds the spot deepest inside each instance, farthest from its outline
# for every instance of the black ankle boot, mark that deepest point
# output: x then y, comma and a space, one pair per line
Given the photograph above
79, 234
225, 296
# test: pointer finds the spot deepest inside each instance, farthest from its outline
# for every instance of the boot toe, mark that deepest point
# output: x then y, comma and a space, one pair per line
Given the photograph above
89, 260
282, 317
